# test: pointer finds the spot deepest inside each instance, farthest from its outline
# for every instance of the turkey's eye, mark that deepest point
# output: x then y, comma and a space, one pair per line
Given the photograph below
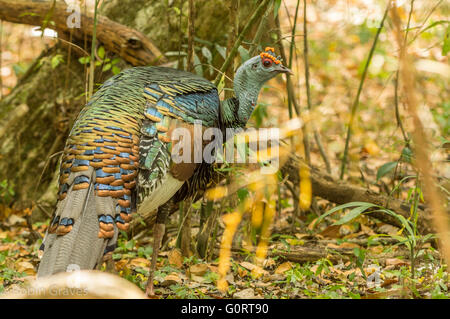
267, 62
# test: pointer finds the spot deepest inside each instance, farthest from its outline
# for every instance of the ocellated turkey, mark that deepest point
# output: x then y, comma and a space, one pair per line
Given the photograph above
117, 158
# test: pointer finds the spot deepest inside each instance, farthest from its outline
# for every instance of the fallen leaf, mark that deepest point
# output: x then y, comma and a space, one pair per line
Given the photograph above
213, 268
388, 229
230, 278
389, 281
198, 279
256, 271
175, 258
281, 269
140, 262
198, 269
26, 267
242, 272
15, 220
371, 148
343, 245
248, 265
248, 293
119, 265
396, 262
367, 230
312, 224
376, 249
171, 279
346, 230
302, 236
331, 231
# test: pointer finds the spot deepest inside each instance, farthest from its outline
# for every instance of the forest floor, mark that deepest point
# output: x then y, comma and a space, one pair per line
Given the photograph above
356, 263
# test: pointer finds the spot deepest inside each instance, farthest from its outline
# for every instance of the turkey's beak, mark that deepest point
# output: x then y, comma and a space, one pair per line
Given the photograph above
283, 69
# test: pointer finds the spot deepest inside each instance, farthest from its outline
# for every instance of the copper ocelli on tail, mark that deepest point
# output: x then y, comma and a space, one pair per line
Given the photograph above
72, 241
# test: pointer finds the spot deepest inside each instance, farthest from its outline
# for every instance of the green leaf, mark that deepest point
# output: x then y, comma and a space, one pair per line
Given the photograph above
221, 50
243, 52
276, 8
101, 52
401, 239
221, 83
106, 67
435, 24
446, 44
340, 207
84, 60
355, 212
207, 54
115, 61
386, 169
115, 70
259, 114
405, 223
242, 194
407, 154
56, 60
198, 65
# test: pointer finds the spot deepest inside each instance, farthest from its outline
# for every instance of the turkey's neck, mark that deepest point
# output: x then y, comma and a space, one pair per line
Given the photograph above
247, 91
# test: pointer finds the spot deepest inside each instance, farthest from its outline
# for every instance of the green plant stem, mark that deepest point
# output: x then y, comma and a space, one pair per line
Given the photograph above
93, 45
397, 111
294, 26
234, 21
256, 14
259, 32
361, 84
291, 53
1, 50
307, 83
190, 50
290, 92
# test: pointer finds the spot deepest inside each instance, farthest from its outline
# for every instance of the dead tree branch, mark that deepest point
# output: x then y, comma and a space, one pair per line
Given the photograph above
131, 45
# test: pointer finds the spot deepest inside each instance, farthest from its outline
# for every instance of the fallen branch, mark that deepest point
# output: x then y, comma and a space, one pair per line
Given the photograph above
129, 44
302, 254
340, 192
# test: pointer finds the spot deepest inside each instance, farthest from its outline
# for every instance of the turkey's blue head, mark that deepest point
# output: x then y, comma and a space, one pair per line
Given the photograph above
251, 76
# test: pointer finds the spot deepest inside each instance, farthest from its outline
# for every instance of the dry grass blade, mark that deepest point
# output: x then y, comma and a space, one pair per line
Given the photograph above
423, 163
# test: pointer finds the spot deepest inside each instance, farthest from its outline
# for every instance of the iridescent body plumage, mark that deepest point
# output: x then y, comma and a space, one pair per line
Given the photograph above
118, 154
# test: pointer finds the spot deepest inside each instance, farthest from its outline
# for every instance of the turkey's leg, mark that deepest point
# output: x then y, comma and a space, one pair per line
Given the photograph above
158, 233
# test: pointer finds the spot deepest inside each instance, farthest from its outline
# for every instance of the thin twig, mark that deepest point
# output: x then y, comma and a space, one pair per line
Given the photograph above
250, 23
190, 52
234, 22
307, 83
424, 21
397, 111
361, 83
